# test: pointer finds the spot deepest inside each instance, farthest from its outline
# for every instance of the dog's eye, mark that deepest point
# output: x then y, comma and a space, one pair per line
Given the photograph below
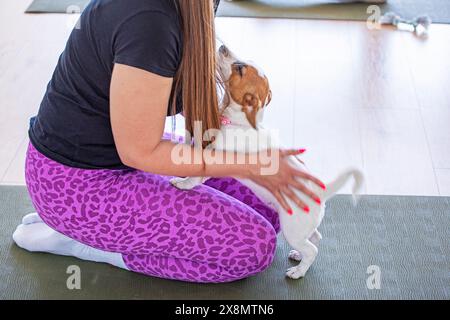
239, 66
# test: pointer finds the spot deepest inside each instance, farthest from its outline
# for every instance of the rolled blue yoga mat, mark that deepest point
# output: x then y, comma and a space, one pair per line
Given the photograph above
65, 6
57, 6
438, 10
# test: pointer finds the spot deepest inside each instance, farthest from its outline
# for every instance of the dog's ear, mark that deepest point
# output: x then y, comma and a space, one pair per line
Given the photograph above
251, 105
269, 98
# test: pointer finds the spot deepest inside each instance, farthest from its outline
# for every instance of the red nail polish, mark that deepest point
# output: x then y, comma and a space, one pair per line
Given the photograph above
317, 200
306, 209
324, 187
301, 151
290, 212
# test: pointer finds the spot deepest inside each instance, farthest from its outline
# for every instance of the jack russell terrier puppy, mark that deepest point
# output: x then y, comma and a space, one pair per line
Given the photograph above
248, 93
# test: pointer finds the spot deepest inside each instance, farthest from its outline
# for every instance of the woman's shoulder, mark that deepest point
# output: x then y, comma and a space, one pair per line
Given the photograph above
120, 10
144, 34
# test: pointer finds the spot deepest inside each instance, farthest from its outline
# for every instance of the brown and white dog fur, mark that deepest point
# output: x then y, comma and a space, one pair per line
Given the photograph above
249, 93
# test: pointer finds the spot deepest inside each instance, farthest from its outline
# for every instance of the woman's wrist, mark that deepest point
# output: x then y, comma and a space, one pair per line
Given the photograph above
252, 171
251, 168
230, 164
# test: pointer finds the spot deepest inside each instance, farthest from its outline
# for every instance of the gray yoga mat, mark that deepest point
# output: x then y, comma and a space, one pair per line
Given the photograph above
439, 10
57, 6
407, 238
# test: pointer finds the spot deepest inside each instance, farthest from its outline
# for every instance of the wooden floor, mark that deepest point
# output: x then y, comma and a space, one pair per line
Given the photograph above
378, 100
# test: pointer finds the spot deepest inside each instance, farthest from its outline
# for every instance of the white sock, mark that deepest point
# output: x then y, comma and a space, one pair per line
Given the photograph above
31, 218
35, 236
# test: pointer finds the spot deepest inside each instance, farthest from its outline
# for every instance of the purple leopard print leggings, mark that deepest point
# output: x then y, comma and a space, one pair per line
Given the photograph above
218, 232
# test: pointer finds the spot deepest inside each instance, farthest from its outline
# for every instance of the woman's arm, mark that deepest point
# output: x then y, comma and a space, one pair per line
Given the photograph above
139, 101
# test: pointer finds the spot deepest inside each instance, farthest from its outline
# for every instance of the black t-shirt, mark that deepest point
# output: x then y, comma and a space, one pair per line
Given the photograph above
73, 124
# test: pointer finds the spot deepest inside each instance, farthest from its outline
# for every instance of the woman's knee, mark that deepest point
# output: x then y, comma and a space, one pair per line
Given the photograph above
256, 249
255, 256
266, 248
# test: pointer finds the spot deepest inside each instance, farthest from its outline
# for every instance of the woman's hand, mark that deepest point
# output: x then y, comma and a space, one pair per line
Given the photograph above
282, 183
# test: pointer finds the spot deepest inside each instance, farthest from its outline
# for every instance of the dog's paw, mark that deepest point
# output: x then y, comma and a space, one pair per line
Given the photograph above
182, 183
295, 255
295, 273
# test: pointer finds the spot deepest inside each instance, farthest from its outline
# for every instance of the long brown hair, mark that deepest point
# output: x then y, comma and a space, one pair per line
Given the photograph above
197, 79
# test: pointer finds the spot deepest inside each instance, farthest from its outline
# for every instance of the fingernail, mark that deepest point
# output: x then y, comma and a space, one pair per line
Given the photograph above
324, 187
301, 151
317, 200
306, 209
290, 212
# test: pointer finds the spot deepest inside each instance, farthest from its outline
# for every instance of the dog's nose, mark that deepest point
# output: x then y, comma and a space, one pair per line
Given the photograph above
224, 50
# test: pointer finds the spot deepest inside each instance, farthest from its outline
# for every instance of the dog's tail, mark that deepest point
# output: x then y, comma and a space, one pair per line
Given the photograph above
336, 185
